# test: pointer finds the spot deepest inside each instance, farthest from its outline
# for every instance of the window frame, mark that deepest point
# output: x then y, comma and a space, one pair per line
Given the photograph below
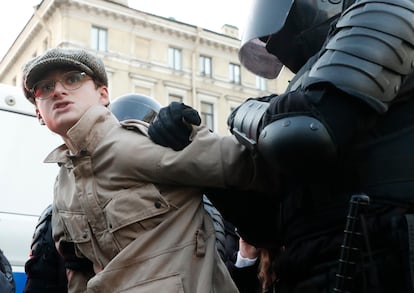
99, 38
175, 58
207, 117
206, 65
261, 83
234, 73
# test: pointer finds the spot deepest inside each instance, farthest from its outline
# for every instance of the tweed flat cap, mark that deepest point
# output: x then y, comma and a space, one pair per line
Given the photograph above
57, 58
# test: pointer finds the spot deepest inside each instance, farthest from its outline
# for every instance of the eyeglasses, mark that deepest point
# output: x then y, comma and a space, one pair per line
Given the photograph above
71, 80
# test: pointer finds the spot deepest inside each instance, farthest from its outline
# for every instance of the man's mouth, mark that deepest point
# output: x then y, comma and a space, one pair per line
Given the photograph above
60, 105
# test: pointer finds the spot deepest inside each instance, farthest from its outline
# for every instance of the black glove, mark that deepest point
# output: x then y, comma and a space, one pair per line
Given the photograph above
172, 126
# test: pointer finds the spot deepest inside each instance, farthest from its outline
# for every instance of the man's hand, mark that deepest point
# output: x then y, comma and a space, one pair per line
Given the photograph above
247, 250
172, 126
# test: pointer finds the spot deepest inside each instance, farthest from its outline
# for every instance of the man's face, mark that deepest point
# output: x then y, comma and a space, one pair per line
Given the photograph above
61, 107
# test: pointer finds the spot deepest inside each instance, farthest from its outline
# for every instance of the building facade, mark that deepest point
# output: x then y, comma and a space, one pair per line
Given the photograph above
147, 54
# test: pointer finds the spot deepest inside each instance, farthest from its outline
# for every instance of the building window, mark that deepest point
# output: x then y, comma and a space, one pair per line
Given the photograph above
99, 39
174, 58
261, 83
234, 73
205, 66
175, 98
207, 114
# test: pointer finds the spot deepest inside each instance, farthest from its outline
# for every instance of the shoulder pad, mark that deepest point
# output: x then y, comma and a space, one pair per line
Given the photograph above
370, 53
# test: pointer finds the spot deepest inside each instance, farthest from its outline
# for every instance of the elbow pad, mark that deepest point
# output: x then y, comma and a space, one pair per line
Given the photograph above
245, 122
296, 144
371, 52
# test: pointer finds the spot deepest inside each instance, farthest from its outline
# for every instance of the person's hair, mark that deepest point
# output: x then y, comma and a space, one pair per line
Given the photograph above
267, 275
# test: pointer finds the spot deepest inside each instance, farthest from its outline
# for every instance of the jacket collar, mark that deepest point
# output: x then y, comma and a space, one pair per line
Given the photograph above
85, 135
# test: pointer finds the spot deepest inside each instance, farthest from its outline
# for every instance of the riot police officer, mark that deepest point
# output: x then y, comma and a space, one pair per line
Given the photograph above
344, 126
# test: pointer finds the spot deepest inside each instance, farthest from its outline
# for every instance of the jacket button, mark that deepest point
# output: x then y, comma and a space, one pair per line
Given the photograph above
157, 204
85, 235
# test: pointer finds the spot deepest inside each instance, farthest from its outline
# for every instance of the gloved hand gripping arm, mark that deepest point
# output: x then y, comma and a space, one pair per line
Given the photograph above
172, 127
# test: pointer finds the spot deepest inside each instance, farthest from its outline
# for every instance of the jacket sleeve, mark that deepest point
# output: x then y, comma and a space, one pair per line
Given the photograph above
209, 160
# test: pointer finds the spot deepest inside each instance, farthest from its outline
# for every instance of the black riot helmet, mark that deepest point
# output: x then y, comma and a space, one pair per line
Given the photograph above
286, 32
135, 106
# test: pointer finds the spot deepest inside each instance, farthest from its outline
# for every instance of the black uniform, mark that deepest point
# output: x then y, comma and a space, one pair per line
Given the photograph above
45, 269
344, 126
357, 92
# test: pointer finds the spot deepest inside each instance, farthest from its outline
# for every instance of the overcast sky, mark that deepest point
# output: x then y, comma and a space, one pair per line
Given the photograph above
211, 14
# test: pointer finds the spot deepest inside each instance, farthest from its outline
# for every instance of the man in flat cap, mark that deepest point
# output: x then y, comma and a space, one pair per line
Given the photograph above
130, 207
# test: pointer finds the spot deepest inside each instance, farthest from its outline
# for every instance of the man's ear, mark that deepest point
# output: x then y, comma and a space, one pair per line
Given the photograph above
103, 95
39, 117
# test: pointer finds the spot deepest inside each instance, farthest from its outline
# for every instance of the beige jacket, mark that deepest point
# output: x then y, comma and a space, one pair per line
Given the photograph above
134, 208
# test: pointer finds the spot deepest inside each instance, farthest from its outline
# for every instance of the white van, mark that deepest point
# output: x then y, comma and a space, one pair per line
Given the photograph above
26, 183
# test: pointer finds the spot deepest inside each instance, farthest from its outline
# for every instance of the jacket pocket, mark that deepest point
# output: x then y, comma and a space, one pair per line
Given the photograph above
76, 226
134, 210
77, 231
165, 284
